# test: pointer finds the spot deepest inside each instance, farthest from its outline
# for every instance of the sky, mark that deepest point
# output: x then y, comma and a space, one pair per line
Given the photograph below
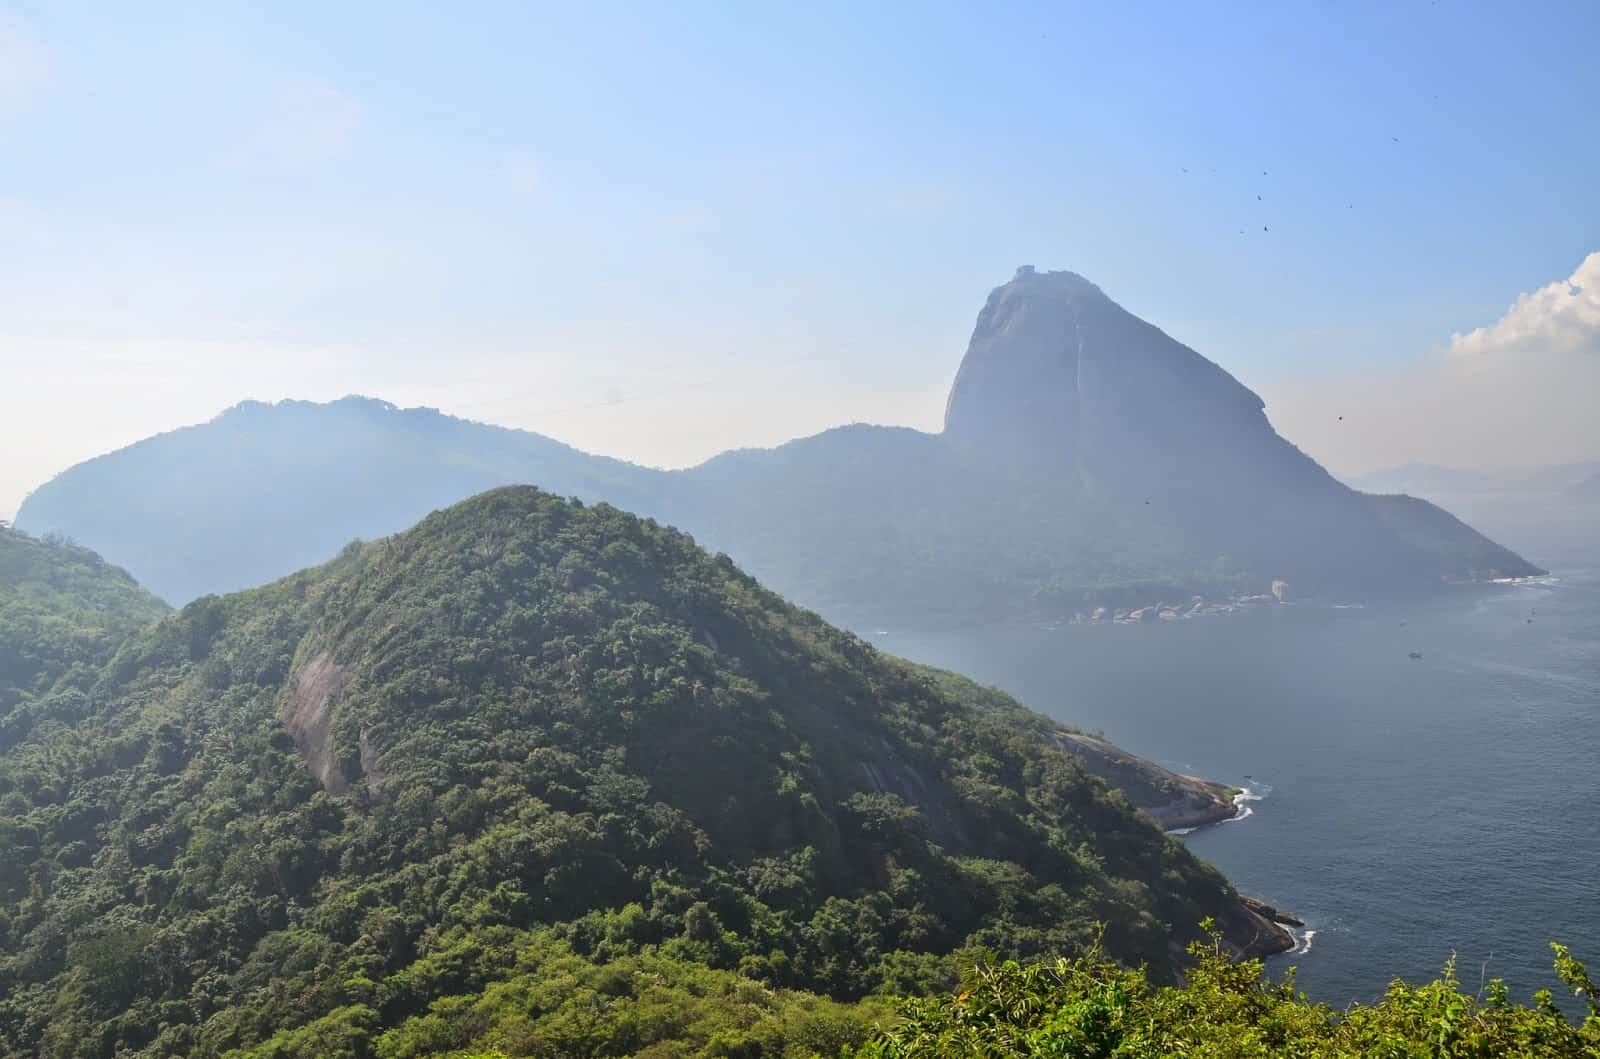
660, 231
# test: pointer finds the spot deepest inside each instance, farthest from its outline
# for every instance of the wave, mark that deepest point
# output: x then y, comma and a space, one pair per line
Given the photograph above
1253, 791
1302, 942
1538, 581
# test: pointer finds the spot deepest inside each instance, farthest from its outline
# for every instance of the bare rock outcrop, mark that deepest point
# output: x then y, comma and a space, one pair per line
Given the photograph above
308, 715
1172, 799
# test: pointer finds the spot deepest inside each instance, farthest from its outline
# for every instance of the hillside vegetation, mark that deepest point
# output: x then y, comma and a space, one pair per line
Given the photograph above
1090, 1007
528, 743
539, 779
63, 610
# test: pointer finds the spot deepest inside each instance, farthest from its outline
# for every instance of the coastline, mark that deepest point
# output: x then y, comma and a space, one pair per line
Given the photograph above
1221, 809
1267, 930
1179, 803
1172, 800
1272, 929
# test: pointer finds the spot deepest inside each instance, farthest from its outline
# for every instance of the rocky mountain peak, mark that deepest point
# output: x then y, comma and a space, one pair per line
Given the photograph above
1055, 367
1059, 281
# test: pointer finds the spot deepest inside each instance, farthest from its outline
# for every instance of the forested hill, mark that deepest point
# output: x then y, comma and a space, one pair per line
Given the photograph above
61, 606
522, 742
1088, 458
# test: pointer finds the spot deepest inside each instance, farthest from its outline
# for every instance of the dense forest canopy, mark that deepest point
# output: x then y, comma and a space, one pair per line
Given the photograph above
61, 607
524, 729
541, 779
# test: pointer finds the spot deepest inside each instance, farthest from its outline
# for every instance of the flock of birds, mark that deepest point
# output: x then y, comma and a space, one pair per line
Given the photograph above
1259, 198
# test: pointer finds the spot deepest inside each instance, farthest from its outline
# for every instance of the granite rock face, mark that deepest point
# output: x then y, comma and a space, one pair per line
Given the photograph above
1060, 377
1062, 384
1058, 373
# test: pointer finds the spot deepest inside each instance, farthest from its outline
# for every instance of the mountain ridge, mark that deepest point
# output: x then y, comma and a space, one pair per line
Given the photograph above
529, 718
1088, 459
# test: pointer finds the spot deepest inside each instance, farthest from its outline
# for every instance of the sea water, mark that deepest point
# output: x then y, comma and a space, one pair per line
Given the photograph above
1405, 808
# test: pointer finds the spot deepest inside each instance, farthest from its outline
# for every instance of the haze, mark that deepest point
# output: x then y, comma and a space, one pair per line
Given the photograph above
660, 234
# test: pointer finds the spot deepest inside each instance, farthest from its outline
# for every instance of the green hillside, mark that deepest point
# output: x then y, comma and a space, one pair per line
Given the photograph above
536, 779
62, 609
357, 803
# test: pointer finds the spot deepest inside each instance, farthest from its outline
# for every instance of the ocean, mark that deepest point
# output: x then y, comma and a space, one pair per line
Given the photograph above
1405, 808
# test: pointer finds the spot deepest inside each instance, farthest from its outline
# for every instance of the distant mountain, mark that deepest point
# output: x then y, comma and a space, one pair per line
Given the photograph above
1541, 510
266, 489
1428, 480
1587, 489
527, 736
1422, 478
1087, 458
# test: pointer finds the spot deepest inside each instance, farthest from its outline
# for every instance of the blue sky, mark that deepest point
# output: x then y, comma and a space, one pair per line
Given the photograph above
660, 231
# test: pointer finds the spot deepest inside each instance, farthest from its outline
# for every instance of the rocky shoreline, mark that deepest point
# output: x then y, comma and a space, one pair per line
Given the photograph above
1174, 800
1178, 802
1269, 926
1202, 802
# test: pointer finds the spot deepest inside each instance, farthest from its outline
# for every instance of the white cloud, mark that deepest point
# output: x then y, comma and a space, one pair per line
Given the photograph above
1563, 317
308, 121
1536, 408
24, 65
1517, 392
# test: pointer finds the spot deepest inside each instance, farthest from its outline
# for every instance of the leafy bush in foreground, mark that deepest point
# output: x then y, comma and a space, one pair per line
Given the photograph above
1090, 1007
